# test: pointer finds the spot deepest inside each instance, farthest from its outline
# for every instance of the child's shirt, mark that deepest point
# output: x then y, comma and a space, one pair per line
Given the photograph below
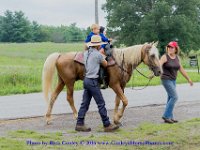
88, 39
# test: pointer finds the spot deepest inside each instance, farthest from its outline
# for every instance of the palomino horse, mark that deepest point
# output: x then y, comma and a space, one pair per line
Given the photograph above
69, 71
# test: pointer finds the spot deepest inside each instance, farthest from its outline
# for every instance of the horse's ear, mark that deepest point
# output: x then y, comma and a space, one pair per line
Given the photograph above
147, 47
152, 43
156, 44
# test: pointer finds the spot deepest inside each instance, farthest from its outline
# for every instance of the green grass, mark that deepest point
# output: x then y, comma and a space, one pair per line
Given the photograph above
21, 67
183, 136
185, 61
138, 80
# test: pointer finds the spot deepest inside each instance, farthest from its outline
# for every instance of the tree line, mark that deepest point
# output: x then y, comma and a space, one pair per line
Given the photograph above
139, 21
15, 27
129, 21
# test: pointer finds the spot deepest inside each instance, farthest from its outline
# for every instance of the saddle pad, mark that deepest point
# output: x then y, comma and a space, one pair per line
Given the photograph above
79, 57
111, 61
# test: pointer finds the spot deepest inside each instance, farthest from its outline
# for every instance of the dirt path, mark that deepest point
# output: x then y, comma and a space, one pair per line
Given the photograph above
133, 117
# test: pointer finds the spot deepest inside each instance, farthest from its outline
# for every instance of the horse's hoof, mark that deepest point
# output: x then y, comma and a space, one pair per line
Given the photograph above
116, 118
48, 122
119, 115
75, 116
118, 123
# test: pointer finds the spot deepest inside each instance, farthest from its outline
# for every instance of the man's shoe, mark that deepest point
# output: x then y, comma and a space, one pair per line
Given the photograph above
167, 120
111, 128
82, 128
175, 121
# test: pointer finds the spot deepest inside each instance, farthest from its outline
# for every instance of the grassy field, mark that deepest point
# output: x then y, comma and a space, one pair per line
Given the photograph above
181, 136
21, 67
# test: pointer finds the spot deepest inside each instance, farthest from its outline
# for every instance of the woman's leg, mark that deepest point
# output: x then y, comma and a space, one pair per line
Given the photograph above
170, 88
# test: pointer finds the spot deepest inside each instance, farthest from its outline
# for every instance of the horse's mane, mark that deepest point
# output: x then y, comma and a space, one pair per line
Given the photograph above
132, 54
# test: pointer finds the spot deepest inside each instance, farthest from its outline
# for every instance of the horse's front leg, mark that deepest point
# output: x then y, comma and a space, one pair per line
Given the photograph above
117, 102
120, 94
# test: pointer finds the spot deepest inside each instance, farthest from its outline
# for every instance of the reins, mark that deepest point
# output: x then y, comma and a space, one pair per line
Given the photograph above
138, 89
125, 71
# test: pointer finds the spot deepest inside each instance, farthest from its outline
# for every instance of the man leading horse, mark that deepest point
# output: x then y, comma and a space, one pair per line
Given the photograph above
92, 60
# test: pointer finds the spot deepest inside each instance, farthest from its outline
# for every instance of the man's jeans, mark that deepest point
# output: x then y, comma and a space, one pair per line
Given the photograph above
91, 89
170, 87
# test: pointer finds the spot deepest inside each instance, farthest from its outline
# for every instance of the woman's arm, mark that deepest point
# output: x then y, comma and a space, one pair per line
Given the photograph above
163, 60
184, 73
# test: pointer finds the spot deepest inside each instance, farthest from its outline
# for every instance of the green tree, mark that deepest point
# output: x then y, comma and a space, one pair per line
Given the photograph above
1, 28
21, 28
134, 21
124, 17
15, 27
7, 24
74, 34
38, 34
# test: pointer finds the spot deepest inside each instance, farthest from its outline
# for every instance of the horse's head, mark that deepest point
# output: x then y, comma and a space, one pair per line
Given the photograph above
150, 57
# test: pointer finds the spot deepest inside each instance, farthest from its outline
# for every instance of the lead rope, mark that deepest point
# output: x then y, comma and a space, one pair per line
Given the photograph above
132, 86
138, 89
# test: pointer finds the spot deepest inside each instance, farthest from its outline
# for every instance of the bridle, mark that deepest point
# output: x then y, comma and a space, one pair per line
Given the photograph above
130, 73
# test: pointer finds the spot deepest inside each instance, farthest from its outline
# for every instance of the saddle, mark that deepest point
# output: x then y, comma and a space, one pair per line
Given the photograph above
79, 57
103, 76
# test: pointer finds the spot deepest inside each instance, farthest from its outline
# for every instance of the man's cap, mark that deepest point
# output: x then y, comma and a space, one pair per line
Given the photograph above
95, 41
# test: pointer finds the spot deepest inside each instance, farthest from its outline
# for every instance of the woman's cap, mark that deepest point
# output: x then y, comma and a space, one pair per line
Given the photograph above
173, 44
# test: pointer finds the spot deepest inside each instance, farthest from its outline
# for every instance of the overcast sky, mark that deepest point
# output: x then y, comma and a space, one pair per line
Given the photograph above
56, 12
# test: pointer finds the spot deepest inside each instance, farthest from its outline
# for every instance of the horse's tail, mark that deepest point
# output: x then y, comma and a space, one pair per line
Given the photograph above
48, 72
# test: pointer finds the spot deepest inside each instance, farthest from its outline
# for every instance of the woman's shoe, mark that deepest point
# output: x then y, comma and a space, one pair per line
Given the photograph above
167, 120
175, 121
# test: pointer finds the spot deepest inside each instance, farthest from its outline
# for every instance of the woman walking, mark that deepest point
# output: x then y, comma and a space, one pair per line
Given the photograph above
171, 64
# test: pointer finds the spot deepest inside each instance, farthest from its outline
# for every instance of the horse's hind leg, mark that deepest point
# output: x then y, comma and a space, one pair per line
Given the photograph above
70, 99
54, 96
